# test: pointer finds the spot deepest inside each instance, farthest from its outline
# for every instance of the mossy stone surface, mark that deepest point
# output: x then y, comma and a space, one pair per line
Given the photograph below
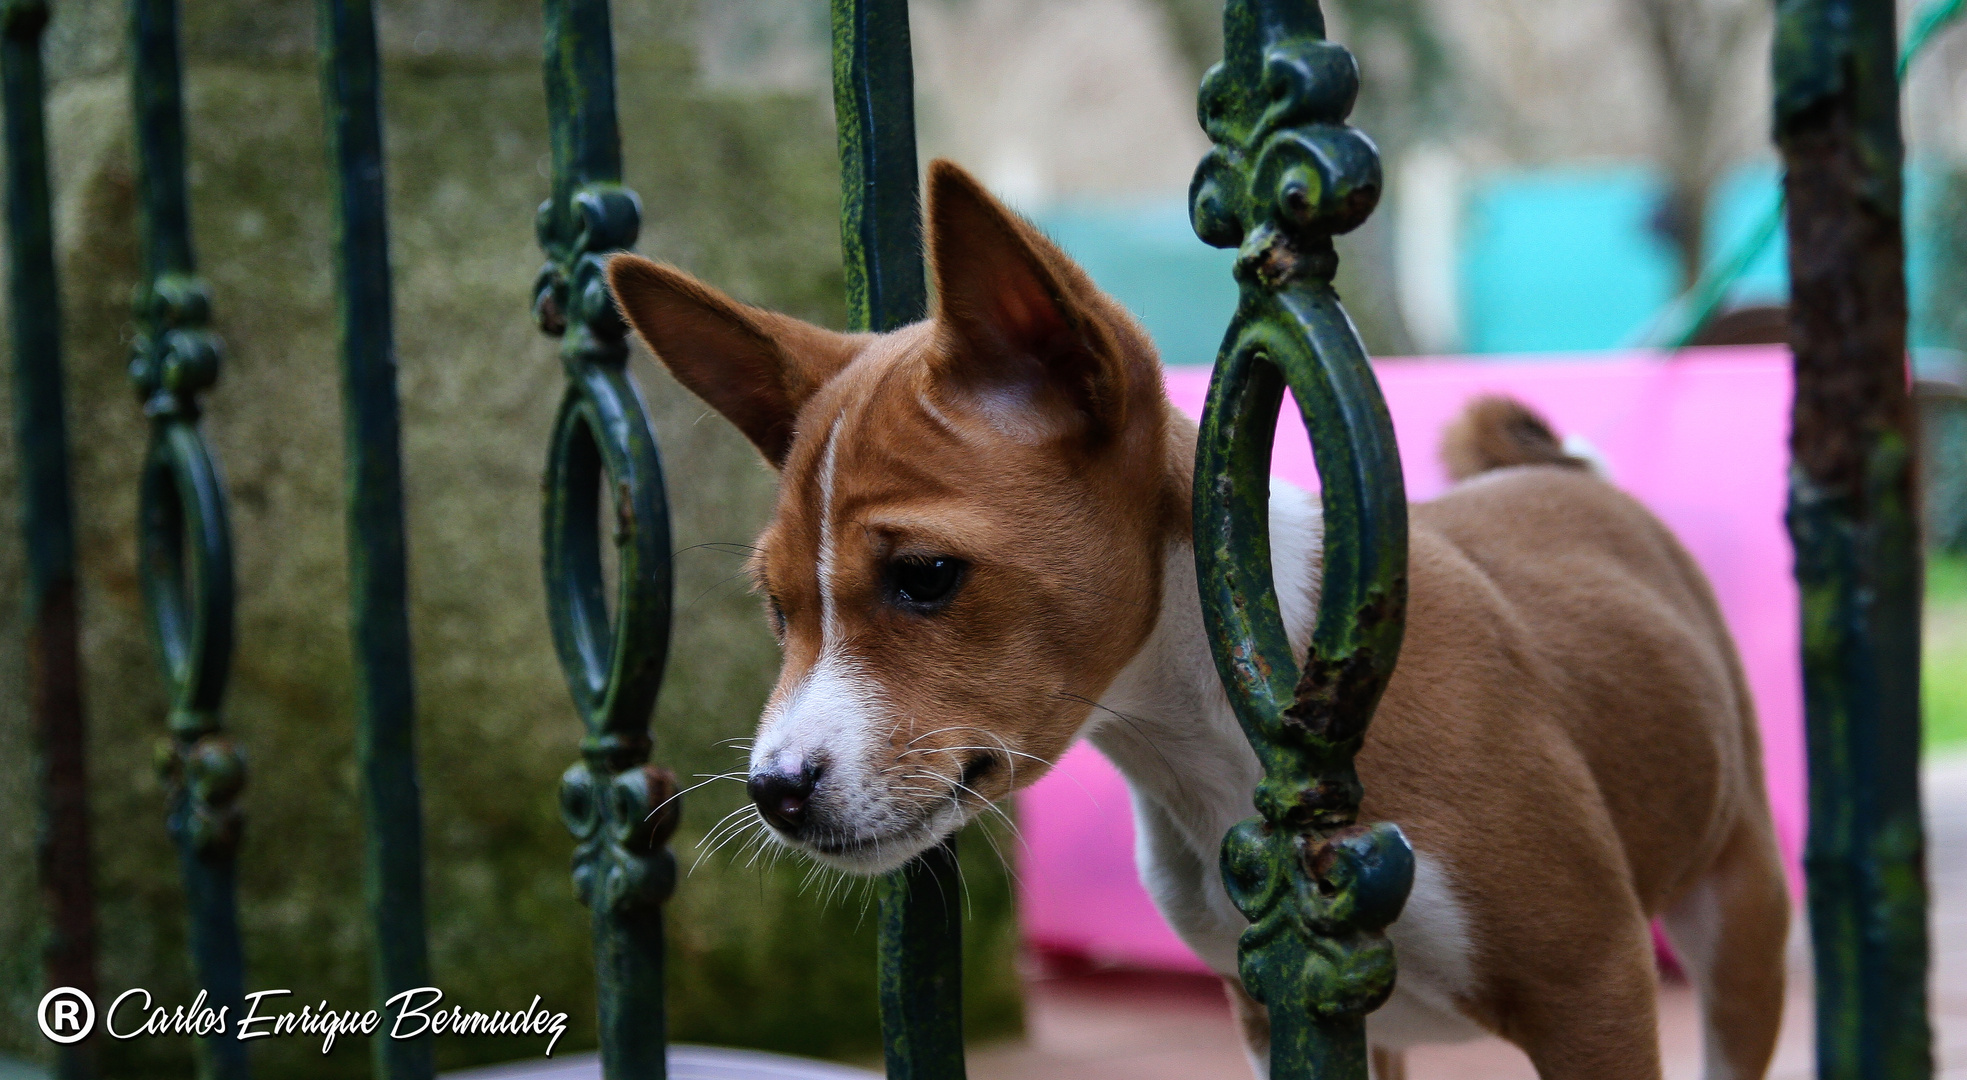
739, 188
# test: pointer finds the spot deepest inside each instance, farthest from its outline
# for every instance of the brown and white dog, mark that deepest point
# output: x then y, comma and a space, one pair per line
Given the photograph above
981, 553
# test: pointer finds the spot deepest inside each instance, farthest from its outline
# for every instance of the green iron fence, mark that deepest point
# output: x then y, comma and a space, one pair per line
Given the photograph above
1853, 521
921, 945
184, 539
621, 809
54, 667
378, 570
1286, 175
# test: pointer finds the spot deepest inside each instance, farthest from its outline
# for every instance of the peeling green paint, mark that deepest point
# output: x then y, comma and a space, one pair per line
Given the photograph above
1286, 175
1852, 519
921, 928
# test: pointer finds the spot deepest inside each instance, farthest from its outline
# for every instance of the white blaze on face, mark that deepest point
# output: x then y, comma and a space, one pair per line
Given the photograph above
831, 716
829, 614
834, 716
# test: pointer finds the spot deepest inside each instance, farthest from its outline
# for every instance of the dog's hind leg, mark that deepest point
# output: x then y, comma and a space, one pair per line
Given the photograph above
1589, 1014
1729, 931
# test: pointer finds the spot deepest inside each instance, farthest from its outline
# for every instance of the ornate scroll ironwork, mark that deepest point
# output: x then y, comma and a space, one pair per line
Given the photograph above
378, 563
184, 539
921, 931
621, 809
54, 666
1286, 175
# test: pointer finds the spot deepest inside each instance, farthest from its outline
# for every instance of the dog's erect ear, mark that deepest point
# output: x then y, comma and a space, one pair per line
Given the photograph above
1024, 327
756, 367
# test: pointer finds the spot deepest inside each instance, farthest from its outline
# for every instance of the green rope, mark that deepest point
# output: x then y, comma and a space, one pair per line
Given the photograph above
1931, 20
1689, 313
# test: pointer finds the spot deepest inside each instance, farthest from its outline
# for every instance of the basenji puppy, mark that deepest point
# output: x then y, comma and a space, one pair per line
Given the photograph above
981, 553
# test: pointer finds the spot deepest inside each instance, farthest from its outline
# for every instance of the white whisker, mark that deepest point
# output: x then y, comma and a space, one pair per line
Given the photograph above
708, 846
986, 749
730, 834
713, 778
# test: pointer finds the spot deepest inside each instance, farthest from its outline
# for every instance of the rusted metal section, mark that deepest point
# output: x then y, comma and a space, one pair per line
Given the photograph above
54, 666
63, 846
1848, 317
1853, 519
1319, 888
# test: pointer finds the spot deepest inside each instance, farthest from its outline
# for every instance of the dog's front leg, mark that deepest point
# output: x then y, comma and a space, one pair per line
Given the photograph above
1254, 1021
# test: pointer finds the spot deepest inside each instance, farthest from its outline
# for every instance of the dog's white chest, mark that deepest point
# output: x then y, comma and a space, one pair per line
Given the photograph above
1430, 939
1432, 962
1172, 709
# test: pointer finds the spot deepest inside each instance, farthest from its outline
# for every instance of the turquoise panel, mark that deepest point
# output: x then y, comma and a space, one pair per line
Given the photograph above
1562, 260
1933, 273
1743, 200
1737, 209
1147, 256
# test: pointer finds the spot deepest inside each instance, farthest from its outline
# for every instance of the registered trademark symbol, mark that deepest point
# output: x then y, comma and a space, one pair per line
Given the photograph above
66, 1015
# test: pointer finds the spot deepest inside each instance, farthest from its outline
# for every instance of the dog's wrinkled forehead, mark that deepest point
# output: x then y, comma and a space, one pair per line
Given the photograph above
877, 434
861, 444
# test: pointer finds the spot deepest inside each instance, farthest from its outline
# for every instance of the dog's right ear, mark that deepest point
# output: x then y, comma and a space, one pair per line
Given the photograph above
755, 367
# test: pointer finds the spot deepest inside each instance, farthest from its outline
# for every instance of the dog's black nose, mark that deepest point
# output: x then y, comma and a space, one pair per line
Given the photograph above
781, 797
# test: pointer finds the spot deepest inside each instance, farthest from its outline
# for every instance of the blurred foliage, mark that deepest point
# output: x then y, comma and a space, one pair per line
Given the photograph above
741, 188
1943, 688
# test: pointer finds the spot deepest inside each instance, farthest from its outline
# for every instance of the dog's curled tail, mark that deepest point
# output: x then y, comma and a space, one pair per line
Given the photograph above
1496, 432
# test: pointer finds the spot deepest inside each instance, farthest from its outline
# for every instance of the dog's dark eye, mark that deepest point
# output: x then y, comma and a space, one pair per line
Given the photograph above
926, 583
979, 767
777, 615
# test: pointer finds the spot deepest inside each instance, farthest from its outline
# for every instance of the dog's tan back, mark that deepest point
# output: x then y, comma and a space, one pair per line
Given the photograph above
982, 552
1592, 642
1570, 714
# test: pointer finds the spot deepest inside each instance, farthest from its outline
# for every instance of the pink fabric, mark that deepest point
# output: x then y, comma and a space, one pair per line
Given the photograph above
1700, 438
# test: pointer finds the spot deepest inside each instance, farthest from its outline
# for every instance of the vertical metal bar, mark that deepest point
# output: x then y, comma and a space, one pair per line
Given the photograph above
1853, 520
54, 669
921, 967
378, 575
880, 207
620, 809
921, 932
580, 91
1285, 176
184, 538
